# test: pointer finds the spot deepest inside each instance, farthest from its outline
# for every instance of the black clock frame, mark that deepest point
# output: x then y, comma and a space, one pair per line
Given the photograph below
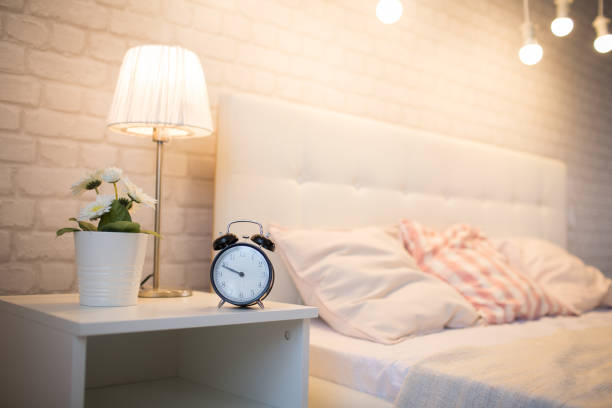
266, 291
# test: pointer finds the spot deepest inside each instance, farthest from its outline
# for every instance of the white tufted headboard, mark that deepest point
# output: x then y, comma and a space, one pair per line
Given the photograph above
299, 166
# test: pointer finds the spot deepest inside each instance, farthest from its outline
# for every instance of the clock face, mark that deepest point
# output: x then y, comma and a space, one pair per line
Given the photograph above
241, 274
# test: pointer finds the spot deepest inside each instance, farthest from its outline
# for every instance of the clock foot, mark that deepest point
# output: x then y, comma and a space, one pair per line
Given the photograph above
260, 304
220, 305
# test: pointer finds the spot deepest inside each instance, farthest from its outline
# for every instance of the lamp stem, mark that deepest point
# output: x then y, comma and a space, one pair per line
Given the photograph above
158, 196
159, 137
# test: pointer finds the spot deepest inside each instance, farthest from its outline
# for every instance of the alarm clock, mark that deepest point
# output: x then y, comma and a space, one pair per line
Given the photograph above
241, 273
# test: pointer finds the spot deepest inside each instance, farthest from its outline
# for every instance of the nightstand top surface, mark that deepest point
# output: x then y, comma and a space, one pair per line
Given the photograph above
63, 312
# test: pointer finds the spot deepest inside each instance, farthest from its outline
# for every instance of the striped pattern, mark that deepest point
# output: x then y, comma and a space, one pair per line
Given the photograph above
463, 257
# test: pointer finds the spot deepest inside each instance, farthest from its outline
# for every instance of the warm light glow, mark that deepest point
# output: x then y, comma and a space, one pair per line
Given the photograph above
144, 130
148, 131
531, 54
389, 11
562, 26
161, 87
603, 43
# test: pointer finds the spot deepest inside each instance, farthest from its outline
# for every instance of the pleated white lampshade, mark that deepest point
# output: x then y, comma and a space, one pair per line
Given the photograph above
161, 87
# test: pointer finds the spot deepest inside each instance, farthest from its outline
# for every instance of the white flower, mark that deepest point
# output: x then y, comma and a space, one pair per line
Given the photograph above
94, 210
137, 195
111, 174
89, 182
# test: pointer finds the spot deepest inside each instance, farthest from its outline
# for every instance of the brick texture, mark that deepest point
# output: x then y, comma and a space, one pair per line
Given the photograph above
66, 38
19, 89
448, 67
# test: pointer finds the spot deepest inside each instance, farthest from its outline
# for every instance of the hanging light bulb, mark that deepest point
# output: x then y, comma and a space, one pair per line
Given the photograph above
531, 52
389, 11
562, 25
603, 42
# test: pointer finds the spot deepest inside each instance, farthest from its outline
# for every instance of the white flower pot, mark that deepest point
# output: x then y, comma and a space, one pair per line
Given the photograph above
109, 267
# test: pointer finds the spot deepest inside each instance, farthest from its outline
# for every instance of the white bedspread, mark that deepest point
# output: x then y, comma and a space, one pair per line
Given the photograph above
381, 370
570, 368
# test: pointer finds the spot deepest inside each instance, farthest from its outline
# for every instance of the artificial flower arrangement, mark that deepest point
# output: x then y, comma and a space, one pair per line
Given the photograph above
112, 210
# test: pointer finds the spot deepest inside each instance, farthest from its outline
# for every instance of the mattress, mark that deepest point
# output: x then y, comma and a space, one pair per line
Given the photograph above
380, 370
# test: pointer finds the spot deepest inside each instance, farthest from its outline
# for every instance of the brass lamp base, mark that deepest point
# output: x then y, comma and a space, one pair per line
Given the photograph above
164, 293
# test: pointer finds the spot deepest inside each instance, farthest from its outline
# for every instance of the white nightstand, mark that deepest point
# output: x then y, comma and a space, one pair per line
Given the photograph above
179, 352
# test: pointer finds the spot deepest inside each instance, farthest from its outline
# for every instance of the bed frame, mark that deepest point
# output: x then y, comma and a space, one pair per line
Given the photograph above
299, 166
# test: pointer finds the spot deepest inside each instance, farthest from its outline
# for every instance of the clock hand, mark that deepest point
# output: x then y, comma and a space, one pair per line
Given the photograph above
241, 274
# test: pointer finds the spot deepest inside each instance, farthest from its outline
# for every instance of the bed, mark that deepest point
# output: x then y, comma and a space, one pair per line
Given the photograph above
298, 166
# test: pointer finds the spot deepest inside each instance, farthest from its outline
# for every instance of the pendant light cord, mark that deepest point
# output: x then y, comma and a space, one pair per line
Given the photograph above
600, 8
526, 10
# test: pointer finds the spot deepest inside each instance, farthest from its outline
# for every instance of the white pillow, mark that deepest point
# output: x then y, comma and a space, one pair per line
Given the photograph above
366, 285
607, 299
565, 276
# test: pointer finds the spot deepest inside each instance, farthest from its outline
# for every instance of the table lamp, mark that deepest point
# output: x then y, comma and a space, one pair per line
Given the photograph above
161, 93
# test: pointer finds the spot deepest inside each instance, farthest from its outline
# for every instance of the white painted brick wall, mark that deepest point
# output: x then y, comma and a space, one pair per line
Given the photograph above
447, 66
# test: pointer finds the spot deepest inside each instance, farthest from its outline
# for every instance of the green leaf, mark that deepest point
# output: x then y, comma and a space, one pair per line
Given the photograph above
63, 231
121, 226
85, 226
118, 212
151, 233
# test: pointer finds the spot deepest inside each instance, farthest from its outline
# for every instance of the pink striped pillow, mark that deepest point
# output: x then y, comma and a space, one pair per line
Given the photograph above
463, 257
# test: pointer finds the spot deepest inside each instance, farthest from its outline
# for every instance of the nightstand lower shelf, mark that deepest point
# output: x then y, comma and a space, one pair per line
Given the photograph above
170, 392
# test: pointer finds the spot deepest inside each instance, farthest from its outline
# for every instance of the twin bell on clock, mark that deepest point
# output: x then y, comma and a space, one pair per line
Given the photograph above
241, 273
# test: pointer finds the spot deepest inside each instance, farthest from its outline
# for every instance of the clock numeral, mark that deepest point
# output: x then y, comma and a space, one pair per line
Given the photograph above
260, 264
223, 283
259, 284
252, 292
241, 295
232, 257
242, 254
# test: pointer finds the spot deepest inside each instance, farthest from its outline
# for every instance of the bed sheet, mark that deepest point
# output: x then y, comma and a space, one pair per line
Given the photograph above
380, 369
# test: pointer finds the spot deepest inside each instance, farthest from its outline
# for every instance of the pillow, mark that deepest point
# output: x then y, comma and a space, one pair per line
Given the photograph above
463, 257
563, 275
366, 285
607, 299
